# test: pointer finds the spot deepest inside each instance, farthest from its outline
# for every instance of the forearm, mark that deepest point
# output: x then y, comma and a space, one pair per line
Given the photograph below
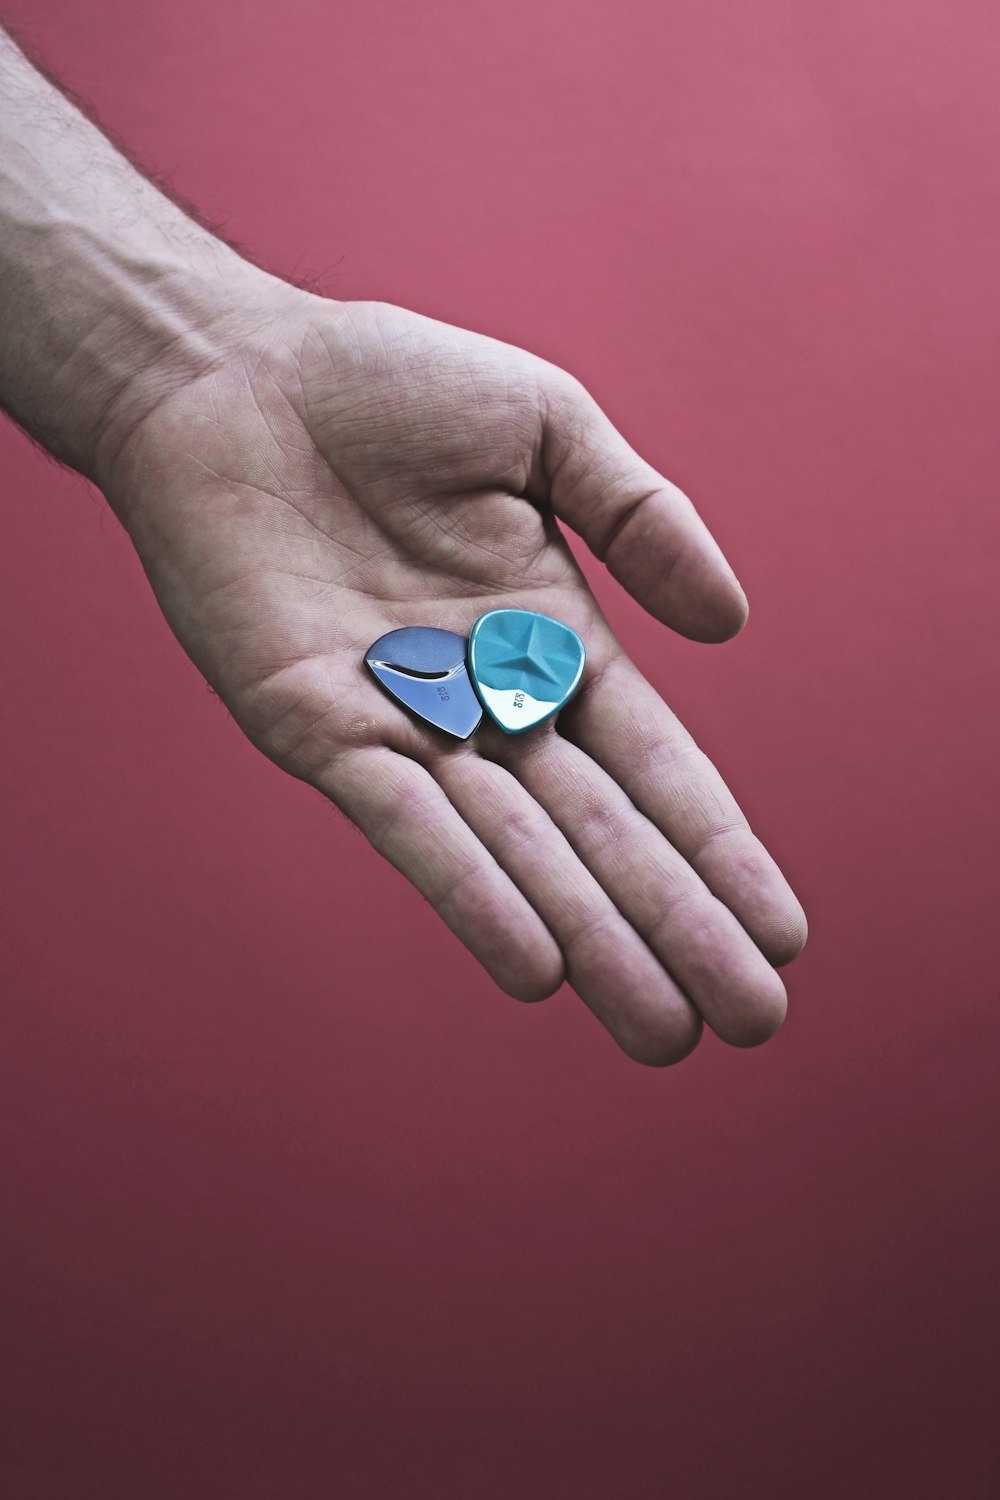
110, 295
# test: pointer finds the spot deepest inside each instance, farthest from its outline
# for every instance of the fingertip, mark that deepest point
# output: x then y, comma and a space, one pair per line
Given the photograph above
532, 982
668, 560
663, 1045
771, 914
785, 945
705, 596
759, 1018
740, 607
716, 614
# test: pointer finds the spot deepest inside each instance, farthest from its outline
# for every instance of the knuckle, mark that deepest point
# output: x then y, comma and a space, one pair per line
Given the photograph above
583, 932
674, 759
601, 829
690, 903
728, 831
524, 833
459, 897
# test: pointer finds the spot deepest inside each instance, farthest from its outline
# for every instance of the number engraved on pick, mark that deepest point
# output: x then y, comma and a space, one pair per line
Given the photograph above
518, 700
442, 692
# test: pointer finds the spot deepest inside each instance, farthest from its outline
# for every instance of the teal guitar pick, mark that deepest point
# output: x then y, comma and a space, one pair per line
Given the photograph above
524, 666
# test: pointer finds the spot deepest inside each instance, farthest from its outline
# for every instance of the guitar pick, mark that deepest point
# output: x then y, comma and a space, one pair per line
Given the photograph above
424, 669
524, 666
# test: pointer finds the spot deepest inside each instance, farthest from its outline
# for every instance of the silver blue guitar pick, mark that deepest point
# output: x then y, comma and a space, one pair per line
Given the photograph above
524, 666
425, 669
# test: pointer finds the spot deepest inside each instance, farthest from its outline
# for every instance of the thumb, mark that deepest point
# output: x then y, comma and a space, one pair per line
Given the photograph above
643, 527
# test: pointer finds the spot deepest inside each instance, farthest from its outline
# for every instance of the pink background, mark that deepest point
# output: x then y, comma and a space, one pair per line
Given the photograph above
291, 1208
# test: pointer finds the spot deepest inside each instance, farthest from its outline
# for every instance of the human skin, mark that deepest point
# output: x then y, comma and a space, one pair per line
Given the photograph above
300, 475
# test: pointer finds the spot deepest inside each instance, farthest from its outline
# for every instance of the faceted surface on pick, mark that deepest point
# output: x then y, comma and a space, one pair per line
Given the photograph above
424, 668
524, 666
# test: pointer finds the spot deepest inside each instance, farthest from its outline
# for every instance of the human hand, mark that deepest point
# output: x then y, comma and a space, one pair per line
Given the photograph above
345, 469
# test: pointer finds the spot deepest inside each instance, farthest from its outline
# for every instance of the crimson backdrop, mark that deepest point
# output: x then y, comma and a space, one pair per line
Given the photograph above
291, 1210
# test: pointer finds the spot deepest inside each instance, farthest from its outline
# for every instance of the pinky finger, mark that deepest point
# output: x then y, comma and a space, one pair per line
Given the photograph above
406, 817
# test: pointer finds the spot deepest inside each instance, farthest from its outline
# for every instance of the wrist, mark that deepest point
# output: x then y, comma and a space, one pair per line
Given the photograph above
115, 328
111, 295
174, 325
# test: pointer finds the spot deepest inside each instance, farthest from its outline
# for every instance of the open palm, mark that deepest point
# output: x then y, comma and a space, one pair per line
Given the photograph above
350, 468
